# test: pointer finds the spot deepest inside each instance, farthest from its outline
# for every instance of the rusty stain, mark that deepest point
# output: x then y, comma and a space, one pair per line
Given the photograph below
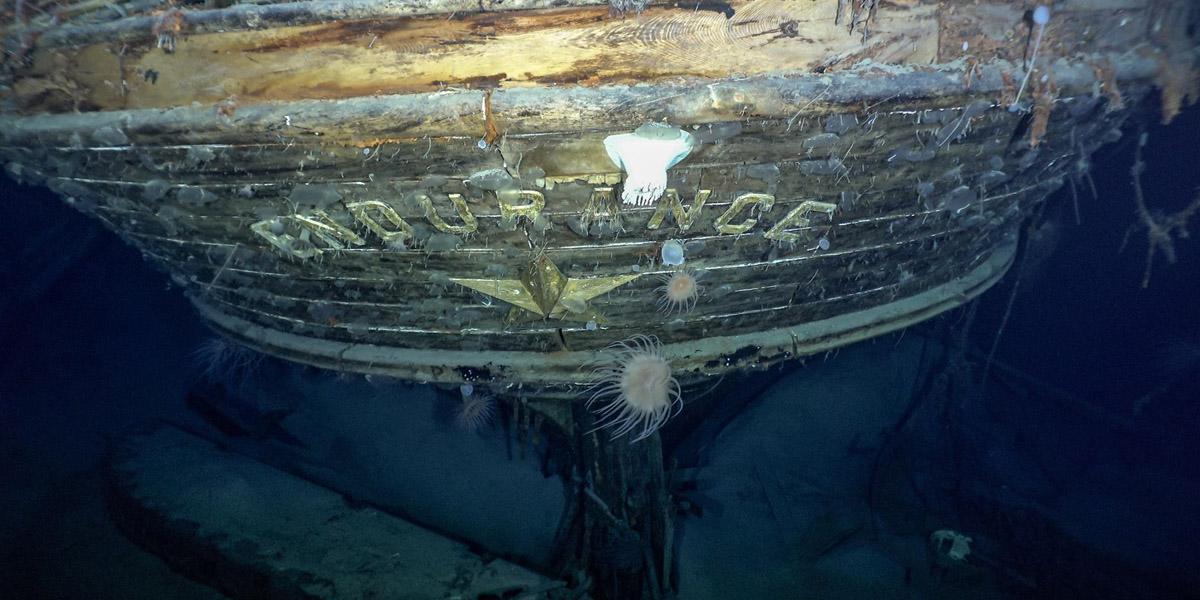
167, 28
227, 107
1041, 113
490, 132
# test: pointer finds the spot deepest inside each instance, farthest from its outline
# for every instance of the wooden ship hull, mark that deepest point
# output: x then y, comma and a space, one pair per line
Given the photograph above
429, 189
422, 190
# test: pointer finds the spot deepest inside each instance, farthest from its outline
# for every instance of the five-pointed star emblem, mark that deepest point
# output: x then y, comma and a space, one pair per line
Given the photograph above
544, 291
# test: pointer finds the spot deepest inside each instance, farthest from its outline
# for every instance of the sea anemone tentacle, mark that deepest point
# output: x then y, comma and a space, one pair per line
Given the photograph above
634, 391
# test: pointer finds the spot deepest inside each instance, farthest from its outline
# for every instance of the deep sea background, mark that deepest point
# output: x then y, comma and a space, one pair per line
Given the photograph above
95, 342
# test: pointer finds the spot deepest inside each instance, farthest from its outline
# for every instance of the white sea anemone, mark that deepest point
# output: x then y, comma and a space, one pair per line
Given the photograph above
222, 360
634, 391
679, 292
645, 155
476, 409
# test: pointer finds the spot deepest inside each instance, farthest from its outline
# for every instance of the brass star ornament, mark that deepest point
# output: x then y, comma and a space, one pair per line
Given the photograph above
544, 291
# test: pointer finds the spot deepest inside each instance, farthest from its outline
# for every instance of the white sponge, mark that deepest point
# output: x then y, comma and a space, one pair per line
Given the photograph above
645, 155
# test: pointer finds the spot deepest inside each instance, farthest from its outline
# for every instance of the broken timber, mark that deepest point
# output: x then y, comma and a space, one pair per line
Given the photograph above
217, 517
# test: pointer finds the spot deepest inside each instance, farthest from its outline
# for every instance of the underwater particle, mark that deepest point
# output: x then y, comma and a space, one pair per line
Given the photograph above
475, 411
823, 244
645, 155
672, 253
678, 293
635, 390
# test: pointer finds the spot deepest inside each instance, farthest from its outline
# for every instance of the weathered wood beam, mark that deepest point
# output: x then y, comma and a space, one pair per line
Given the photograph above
258, 16
351, 58
528, 110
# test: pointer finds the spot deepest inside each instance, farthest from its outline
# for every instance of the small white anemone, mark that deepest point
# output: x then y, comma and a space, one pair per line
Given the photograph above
476, 409
645, 155
679, 291
225, 361
634, 391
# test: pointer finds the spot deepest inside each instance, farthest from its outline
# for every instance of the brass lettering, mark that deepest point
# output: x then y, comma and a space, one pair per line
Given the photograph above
319, 225
601, 206
469, 225
798, 218
282, 241
400, 232
328, 230
510, 212
765, 201
684, 218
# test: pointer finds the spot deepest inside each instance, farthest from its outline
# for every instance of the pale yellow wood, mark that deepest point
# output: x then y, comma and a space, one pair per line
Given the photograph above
576, 45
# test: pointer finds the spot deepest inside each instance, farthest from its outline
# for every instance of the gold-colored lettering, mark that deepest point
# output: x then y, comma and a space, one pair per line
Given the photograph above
469, 225
400, 232
319, 225
282, 241
798, 218
762, 201
684, 218
602, 206
510, 212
